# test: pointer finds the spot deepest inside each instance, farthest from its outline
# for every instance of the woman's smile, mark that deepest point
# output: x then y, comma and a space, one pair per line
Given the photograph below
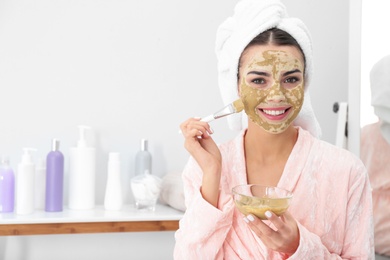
275, 114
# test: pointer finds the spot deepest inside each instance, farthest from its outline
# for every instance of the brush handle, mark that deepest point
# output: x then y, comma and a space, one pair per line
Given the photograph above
208, 119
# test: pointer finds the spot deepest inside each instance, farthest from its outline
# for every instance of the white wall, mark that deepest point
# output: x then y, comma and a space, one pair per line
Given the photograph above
131, 70
375, 45
328, 24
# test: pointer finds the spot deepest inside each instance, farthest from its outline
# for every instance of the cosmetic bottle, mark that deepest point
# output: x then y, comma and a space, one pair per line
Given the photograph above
40, 184
54, 178
82, 171
25, 180
143, 159
7, 186
113, 197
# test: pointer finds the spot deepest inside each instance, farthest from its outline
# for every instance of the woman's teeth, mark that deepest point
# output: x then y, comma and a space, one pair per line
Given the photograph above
274, 112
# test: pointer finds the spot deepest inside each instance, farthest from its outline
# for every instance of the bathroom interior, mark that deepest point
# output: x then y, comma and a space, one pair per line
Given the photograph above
135, 70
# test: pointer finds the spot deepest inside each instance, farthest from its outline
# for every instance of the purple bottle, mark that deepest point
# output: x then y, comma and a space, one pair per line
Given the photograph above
7, 186
54, 179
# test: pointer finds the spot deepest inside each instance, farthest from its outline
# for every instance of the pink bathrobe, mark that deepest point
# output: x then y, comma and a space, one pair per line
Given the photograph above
331, 203
375, 153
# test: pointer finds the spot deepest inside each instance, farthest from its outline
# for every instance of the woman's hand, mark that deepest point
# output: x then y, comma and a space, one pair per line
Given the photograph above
283, 238
202, 147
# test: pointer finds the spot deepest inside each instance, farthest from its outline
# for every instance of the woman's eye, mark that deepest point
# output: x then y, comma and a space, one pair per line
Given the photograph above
291, 80
258, 81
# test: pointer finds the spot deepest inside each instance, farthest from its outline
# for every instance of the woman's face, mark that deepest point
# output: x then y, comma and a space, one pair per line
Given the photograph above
271, 85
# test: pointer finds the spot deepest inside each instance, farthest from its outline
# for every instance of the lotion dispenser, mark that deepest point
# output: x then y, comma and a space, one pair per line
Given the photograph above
54, 178
25, 179
82, 171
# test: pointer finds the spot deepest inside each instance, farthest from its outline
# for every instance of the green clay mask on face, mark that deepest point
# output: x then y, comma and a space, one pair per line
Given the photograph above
272, 89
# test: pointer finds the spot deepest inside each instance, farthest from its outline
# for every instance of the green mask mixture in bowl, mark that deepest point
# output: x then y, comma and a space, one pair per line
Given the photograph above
256, 199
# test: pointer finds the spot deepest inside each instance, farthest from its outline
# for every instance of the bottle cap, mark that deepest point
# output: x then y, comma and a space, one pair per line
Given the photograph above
4, 160
55, 144
144, 144
26, 157
82, 142
113, 157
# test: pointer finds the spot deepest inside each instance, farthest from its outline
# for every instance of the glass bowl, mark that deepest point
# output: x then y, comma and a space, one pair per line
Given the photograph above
257, 199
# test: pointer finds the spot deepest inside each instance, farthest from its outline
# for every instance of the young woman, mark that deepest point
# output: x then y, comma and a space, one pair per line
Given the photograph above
330, 216
375, 153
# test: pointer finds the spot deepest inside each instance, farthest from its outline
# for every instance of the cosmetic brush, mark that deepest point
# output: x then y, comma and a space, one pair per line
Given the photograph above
235, 107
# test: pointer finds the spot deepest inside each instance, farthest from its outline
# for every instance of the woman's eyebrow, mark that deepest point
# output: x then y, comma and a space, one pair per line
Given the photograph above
260, 73
291, 72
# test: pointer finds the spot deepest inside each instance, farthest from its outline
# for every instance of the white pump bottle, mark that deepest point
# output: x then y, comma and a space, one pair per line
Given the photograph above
25, 180
82, 172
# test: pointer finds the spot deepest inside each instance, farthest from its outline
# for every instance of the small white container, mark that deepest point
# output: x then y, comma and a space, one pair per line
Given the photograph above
25, 182
113, 199
40, 184
146, 190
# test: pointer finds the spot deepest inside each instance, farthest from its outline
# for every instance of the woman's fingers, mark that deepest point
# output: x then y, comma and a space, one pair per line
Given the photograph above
259, 227
198, 141
281, 234
193, 127
276, 221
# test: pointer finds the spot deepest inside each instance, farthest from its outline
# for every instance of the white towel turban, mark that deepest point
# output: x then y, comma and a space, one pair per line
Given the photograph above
380, 94
250, 18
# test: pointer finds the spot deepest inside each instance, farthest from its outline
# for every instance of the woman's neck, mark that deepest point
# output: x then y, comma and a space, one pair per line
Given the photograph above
266, 145
266, 154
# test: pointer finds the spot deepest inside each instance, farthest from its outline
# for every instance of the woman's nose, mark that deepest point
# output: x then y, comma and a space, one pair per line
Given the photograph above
276, 94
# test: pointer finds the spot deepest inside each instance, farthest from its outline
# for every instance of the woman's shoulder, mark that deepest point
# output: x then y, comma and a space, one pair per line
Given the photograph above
332, 163
328, 153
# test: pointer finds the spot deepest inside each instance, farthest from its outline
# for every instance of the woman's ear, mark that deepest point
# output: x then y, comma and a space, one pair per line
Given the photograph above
238, 88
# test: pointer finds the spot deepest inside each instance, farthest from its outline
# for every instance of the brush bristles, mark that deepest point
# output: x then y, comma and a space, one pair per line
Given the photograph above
238, 105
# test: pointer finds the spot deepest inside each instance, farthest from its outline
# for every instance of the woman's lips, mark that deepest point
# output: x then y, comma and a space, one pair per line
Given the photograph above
275, 114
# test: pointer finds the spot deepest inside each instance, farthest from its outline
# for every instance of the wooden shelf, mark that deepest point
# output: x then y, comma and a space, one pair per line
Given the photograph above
97, 220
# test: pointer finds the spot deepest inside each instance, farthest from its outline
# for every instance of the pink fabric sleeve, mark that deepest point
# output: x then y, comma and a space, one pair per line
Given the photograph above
375, 153
203, 228
358, 227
